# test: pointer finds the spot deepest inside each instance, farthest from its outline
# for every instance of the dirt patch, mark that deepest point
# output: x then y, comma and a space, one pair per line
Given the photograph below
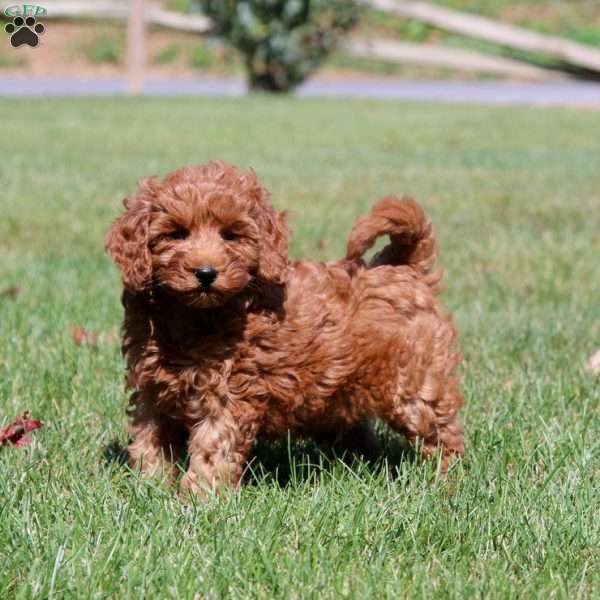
89, 50
97, 50
558, 18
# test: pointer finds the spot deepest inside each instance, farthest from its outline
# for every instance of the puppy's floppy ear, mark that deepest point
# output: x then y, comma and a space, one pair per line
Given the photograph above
127, 241
273, 230
274, 237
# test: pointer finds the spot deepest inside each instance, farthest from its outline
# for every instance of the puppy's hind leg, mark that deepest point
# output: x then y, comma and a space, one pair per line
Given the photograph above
434, 426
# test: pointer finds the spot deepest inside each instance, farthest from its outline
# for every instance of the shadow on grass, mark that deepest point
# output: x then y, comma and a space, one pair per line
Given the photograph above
290, 462
116, 454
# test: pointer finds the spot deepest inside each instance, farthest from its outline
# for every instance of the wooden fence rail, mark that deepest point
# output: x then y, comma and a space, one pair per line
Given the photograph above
488, 30
448, 58
120, 10
140, 13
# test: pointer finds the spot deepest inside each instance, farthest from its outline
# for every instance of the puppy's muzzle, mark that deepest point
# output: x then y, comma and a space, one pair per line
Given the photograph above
206, 276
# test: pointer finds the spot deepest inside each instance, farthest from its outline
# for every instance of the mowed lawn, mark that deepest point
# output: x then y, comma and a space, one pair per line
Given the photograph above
515, 198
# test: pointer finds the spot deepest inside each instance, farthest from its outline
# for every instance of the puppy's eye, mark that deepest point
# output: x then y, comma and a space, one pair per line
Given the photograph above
179, 234
229, 235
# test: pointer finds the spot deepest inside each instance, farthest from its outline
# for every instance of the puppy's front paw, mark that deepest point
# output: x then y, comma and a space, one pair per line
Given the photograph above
191, 485
151, 465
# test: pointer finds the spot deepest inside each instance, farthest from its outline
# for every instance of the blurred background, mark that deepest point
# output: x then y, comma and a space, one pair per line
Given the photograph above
278, 45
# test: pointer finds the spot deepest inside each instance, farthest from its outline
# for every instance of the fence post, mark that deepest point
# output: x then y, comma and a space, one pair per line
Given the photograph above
136, 29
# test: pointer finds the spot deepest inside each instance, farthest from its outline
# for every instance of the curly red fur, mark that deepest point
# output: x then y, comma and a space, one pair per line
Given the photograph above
272, 346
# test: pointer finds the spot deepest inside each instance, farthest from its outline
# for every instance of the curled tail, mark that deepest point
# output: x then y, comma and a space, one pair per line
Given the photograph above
411, 236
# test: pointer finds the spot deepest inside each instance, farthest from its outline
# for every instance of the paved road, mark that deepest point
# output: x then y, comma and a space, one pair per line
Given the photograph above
483, 92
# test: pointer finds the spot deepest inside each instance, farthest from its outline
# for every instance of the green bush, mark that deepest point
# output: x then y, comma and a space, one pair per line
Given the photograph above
166, 55
201, 57
101, 47
282, 41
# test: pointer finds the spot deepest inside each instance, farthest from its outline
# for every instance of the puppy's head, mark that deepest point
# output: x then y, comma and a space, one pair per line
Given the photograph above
203, 234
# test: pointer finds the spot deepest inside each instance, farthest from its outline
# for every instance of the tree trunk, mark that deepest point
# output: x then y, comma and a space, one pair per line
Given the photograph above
265, 82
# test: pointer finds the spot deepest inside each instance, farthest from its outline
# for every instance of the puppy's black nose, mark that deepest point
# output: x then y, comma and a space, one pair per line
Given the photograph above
205, 275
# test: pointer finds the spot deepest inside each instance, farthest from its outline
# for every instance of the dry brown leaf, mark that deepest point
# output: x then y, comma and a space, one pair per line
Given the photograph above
81, 336
15, 434
593, 365
10, 292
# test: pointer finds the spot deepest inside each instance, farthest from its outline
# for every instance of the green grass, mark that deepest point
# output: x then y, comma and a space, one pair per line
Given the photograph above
515, 197
167, 55
200, 56
9, 59
103, 47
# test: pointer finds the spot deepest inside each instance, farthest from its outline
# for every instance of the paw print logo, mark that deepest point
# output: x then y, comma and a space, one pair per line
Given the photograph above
24, 31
